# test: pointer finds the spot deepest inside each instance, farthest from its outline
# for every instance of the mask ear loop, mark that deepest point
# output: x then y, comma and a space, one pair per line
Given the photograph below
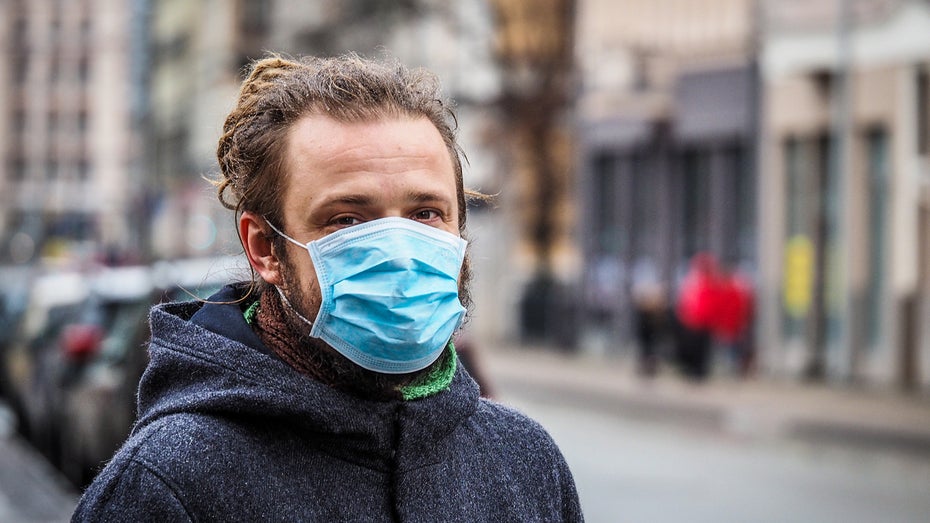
289, 306
280, 292
286, 237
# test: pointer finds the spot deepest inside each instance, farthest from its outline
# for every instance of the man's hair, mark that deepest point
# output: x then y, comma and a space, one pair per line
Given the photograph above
279, 91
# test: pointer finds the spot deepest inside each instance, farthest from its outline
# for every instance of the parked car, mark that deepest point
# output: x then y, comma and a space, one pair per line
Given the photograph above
93, 372
14, 296
54, 301
99, 365
72, 365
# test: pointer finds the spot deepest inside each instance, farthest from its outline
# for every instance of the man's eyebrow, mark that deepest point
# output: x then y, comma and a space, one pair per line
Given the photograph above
366, 200
426, 196
361, 200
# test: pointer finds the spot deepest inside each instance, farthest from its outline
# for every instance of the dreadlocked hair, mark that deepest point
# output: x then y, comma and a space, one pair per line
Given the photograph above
278, 91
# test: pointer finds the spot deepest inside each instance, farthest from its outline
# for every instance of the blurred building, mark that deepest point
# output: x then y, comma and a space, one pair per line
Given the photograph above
197, 50
667, 118
71, 103
787, 138
846, 182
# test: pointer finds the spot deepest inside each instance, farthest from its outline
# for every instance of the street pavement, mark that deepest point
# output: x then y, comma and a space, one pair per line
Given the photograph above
758, 407
31, 490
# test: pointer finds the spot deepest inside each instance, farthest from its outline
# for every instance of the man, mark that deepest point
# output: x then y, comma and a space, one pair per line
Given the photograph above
328, 389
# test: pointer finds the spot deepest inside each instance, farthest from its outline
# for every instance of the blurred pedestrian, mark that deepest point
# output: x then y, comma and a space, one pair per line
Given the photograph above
327, 389
696, 312
734, 315
650, 312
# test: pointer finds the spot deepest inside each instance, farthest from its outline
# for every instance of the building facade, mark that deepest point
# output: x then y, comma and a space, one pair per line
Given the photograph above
844, 238
667, 125
70, 169
197, 52
789, 139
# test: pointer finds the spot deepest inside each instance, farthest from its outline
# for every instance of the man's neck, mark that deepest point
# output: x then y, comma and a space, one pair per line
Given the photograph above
286, 337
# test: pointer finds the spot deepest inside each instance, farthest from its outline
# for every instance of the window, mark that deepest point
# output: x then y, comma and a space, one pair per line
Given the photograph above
695, 202
85, 28
797, 265
18, 51
17, 167
830, 259
83, 169
604, 202
645, 207
51, 169
53, 122
54, 72
253, 16
82, 120
877, 151
19, 67
741, 246
923, 111
83, 69
20, 34
19, 122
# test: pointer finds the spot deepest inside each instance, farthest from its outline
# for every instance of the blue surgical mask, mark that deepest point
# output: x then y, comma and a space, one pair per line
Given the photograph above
389, 290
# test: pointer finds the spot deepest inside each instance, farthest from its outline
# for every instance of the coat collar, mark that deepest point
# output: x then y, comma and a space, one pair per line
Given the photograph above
198, 371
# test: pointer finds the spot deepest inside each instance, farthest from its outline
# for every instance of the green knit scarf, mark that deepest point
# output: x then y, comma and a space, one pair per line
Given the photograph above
425, 385
436, 380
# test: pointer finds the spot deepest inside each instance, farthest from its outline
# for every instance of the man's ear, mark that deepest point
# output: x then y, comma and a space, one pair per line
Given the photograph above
256, 241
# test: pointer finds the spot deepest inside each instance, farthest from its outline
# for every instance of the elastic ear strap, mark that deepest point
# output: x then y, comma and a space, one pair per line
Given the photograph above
286, 237
289, 306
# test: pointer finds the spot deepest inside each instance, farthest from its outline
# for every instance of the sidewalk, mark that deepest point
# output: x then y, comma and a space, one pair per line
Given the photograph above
760, 407
31, 491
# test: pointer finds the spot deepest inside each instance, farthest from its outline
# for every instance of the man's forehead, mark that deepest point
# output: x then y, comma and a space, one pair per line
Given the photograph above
317, 140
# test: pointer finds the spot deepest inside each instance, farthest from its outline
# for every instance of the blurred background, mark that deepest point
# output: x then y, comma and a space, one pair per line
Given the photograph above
709, 209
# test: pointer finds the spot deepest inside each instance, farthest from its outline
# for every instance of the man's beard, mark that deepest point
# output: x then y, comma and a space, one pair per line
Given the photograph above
334, 368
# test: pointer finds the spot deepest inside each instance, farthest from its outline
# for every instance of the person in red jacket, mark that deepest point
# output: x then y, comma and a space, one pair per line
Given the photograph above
698, 303
734, 313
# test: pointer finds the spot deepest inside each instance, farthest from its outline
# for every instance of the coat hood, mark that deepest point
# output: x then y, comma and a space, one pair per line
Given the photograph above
194, 369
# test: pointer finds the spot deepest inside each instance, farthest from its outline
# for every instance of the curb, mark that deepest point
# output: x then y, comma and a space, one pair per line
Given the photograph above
756, 408
30, 488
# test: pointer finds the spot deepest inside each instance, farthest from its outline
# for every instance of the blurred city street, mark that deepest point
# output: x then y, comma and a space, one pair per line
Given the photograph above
669, 184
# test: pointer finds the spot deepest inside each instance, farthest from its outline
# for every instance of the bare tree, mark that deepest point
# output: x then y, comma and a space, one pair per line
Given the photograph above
535, 41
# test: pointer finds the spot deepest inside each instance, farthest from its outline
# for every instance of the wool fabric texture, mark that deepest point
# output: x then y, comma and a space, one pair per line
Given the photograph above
227, 431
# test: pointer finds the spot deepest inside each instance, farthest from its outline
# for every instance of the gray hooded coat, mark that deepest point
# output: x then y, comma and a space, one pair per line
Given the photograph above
227, 432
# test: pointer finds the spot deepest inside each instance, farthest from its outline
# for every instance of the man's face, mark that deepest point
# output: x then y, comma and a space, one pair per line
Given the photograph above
342, 174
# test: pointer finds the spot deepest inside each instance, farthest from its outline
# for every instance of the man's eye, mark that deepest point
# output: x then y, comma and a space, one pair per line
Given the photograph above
346, 221
426, 215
